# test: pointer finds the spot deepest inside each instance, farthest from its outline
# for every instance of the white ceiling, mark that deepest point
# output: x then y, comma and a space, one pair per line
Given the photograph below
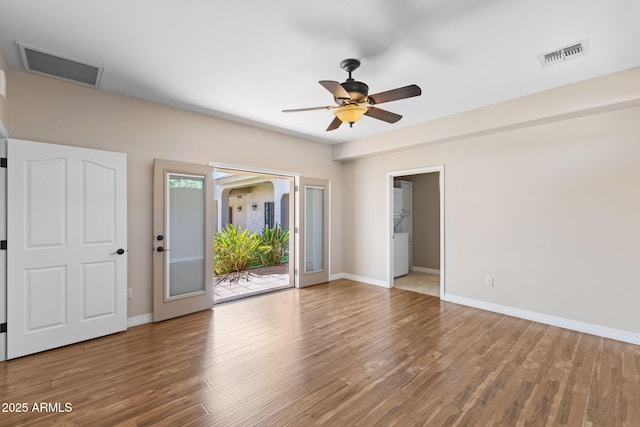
247, 60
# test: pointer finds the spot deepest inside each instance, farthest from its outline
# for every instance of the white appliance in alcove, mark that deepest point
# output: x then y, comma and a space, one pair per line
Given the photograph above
400, 254
402, 227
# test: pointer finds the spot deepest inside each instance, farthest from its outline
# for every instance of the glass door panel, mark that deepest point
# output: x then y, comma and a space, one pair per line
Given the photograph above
314, 229
313, 221
185, 237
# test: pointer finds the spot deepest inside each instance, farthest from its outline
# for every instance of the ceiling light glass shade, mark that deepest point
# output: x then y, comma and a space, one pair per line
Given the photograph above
350, 113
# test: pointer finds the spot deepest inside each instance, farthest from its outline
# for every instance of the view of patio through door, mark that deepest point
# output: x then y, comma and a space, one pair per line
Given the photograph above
253, 249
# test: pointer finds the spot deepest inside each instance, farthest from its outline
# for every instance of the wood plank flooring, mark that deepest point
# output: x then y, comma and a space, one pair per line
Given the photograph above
338, 354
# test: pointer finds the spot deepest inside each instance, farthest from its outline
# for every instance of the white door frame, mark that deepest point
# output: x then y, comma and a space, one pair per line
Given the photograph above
3, 236
418, 171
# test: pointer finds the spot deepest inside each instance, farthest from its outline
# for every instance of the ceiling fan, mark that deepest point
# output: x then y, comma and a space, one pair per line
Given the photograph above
354, 101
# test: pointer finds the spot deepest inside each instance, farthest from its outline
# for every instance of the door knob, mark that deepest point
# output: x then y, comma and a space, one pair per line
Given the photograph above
161, 249
118, 252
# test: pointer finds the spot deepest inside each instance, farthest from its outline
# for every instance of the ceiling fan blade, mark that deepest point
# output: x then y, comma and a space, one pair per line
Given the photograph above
335, 88
395, 94
384, 115
335, 124
295, 110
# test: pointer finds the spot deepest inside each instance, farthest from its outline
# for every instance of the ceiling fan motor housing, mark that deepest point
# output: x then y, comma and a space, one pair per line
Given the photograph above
357, 90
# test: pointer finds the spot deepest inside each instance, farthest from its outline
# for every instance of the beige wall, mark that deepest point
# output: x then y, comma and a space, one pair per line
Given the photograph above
3, 101
550, 210
426, 219
49, 110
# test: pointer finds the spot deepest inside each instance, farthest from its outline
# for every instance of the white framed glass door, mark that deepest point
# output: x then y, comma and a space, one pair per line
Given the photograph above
183, 221
313, 259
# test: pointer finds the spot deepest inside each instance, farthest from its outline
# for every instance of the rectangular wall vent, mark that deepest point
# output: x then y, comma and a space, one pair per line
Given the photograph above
564, 53
51, 64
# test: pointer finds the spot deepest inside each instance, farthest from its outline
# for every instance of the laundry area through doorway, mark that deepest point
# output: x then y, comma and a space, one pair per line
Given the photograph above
416, 234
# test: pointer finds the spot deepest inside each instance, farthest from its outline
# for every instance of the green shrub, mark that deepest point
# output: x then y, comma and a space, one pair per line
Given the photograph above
277, 239
237, 249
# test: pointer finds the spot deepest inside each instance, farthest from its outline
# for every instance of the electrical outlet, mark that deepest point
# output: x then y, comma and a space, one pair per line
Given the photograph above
129, 293
488, 281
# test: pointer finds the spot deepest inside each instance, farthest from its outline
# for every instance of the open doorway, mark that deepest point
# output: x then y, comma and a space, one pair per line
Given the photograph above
416, 230
253, 246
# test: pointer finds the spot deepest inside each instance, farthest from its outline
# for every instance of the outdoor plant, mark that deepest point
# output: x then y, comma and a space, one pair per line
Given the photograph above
277, 239
236, 249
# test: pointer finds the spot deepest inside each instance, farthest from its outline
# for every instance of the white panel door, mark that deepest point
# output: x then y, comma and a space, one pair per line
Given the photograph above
67, 237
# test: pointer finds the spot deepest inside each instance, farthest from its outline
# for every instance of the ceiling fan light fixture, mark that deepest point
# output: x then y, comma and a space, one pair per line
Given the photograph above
350, 113
354, 101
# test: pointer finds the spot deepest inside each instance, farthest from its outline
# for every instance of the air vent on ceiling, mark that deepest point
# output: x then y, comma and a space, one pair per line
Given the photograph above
564, 53
54, 65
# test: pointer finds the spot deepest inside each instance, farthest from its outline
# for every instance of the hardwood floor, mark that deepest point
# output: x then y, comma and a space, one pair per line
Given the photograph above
338, 354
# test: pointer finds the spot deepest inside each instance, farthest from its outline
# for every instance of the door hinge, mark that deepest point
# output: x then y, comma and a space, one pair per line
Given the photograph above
3, 162
3, 245
295, 230
3, 328
296, 188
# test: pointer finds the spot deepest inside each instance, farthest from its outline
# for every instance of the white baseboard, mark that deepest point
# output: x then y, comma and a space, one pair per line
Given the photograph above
425, 270
574, 325
139, 320
3, 347
337, 276
367, 280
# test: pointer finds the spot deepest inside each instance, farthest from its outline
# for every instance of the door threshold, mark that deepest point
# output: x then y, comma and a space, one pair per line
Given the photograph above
238, 296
